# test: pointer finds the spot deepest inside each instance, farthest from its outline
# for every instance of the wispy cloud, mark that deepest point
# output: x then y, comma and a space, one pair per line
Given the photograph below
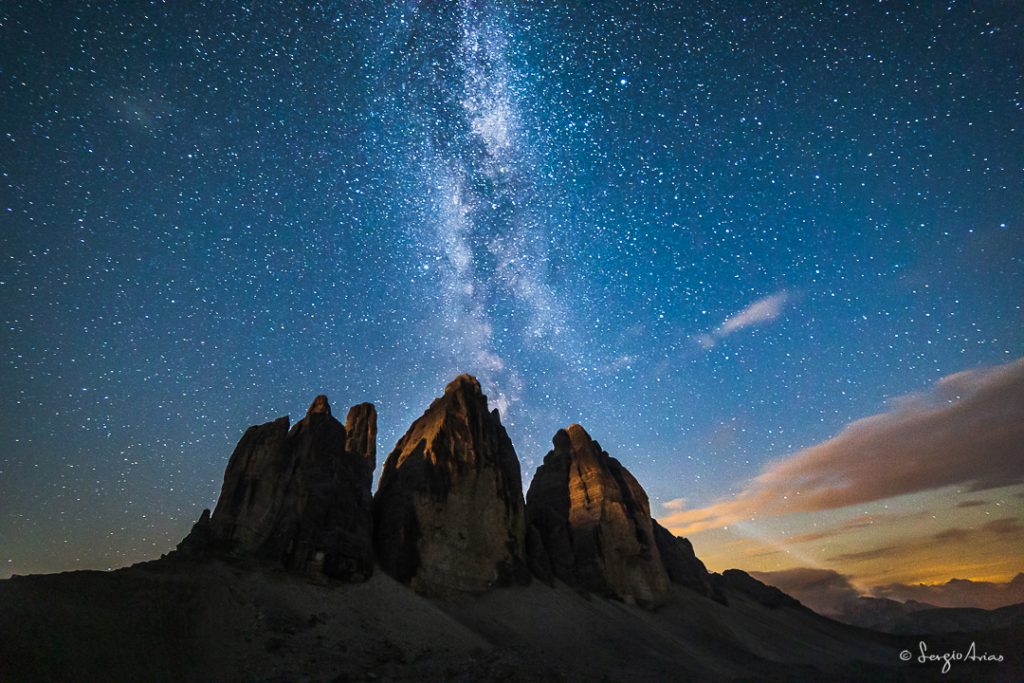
1007, 526
850, 525
968, 430
930, 554
863, 555
1003, 527
762, 311
674, 505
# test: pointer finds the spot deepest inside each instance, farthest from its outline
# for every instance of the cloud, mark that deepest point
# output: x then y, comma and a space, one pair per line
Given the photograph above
872, 554
1004, 532
859, 522
958, 593
951, 535
1007, 526
674, 504
762, 311
823, 590
967, 430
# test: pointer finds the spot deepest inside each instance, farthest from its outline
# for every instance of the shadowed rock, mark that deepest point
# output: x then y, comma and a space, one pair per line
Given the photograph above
319, 405
741, 582
361, 434
448, 512
681, 563
590, 523
296, 498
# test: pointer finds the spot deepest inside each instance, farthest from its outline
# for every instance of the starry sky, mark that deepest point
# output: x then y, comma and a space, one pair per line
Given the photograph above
729, 238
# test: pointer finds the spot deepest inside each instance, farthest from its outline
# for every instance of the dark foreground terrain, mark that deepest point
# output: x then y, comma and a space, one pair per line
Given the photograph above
178, 620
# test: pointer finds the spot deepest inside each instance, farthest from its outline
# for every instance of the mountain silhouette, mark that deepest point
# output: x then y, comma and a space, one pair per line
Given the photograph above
446, 573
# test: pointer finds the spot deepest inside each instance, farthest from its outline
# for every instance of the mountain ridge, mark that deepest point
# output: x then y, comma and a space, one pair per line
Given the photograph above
447, 572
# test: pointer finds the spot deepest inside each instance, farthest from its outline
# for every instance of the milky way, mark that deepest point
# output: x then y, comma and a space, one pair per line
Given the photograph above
715, 234
478, 222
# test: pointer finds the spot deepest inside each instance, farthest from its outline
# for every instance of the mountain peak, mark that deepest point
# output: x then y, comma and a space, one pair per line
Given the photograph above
464, 382
448, 512
298, 498
589, 523
578, 436
320, 404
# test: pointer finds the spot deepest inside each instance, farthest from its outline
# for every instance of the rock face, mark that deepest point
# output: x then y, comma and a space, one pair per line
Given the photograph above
361, 436
590, 523
681, 563
297, 497
448, 512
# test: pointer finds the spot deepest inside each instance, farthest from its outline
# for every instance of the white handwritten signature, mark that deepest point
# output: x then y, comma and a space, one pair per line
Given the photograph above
947, 658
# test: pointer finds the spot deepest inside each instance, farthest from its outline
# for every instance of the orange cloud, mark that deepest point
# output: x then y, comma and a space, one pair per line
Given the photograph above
967, 430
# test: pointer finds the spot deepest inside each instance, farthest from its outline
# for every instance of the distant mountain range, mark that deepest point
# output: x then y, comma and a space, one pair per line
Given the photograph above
831, 594
447, 573
912, 617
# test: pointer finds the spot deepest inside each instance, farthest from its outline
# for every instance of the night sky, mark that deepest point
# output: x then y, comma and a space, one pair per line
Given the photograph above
714, 233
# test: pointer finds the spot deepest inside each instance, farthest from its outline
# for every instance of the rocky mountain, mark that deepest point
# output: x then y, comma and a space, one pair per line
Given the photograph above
736, 580
297, 498
681, 563
448, 510
449, 527
449, 514
590, 523
361, 435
